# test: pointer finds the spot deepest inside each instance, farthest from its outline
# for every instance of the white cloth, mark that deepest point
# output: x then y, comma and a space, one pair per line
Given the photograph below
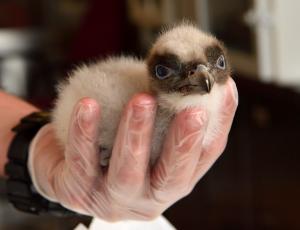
159, 223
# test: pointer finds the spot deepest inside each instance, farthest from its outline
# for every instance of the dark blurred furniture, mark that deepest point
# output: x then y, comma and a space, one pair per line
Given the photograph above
256, 182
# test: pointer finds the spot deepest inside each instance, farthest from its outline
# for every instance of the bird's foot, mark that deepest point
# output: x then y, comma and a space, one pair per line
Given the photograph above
105, 154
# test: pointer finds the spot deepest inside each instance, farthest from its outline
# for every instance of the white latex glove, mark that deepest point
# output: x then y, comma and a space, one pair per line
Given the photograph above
129, 189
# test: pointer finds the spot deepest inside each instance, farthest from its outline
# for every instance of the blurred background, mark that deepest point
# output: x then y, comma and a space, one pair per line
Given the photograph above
256, 182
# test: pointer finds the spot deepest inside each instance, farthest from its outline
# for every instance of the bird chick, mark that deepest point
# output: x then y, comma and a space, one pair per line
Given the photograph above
185, 68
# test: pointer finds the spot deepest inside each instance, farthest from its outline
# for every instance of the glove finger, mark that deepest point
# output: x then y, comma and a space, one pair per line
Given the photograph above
82, 152
216, 147
130, 156
174, 169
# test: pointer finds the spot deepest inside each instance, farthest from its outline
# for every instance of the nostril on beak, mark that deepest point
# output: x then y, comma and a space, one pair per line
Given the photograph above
192, 72
201, 76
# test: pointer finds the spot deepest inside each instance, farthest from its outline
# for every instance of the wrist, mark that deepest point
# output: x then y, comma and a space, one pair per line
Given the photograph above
7, 139
12, 110
20, 190
43, 156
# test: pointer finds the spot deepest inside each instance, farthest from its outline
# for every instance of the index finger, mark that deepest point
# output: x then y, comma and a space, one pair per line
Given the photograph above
130, 155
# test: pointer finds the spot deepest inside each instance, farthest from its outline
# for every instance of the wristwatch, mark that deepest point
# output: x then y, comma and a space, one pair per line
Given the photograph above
20, 189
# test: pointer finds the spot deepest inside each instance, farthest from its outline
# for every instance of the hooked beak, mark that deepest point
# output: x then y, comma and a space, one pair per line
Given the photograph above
207, 79
199, 80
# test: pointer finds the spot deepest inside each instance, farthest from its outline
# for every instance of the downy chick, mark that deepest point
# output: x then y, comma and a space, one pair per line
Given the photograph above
185, 68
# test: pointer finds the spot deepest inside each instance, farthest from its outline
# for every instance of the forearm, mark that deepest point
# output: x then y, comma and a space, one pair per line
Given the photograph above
12, 109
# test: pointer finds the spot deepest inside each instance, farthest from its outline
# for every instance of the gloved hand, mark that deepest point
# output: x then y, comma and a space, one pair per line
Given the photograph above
129, 189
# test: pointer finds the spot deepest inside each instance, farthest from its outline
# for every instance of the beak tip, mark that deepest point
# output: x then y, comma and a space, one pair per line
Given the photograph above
208, 85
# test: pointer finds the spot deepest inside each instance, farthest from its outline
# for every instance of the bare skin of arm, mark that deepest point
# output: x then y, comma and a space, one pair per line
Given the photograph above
12, 109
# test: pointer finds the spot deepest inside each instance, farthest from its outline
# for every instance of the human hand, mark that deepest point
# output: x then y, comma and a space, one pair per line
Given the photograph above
129, 188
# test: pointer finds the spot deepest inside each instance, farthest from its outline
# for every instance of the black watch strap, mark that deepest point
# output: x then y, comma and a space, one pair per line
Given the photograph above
20, 190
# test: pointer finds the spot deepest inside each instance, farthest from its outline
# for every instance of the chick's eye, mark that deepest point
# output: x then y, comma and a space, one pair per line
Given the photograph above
221, 62
162, 72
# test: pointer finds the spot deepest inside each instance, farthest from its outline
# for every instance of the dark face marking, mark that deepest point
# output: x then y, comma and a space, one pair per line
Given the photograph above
185, 77
170, 61
213, 54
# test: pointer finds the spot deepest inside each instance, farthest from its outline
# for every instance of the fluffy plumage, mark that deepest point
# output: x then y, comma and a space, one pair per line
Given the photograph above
183, 69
